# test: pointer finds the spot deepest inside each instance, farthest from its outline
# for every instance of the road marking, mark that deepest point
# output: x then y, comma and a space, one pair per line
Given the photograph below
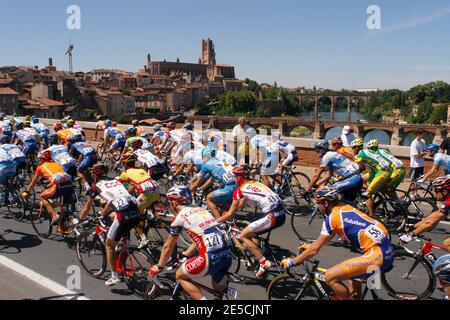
41, 280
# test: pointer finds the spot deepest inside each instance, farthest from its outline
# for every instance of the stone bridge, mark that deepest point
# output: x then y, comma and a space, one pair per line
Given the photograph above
397, 133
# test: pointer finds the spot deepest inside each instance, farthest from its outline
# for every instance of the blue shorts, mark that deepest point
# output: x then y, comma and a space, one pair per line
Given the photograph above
70, 169
219, 263
29, 147
350, 187
225, 194
87, 162
118, 145
7, 170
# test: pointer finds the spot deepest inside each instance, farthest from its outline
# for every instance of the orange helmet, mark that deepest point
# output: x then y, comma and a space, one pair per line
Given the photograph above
336, 142
58, 126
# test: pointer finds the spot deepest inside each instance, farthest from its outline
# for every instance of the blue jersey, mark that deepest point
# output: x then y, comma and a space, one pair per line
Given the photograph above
41, 129
82, 148
339, 165
61, 155
442, 160
115, 133
219, 171
14, 151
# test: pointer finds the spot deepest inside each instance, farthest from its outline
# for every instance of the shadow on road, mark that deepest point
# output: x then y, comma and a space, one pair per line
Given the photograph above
26, 241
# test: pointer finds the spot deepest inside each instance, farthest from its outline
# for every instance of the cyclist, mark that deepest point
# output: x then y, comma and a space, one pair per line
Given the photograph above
379, 171
149, 161
441, 269
147, 188
113, 138
122, 208
442, 188
60, 154
364, 233
64, 135
397, 167
60, 183
267, 201
213, 245
192, 160
139, 130
18, 157
75, 127
162, 140
439, 160
26, 138
348, 179
338, 146
289, 151
99, 126
7, 167
220, 172
84, 153
270, 154
42, 130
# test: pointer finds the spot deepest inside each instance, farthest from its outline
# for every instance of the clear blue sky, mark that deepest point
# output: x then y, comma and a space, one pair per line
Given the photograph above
293, 42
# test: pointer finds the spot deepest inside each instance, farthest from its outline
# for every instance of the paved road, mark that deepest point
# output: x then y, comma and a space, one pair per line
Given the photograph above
54, 257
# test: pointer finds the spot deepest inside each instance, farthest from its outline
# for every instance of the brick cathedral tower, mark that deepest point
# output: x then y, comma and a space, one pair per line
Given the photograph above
208, 53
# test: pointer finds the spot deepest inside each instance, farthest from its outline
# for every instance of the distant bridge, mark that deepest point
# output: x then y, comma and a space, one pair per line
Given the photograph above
396, 133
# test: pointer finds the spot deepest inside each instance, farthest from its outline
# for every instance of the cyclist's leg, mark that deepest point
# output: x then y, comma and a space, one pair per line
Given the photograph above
378, 183
47, 194
196, 267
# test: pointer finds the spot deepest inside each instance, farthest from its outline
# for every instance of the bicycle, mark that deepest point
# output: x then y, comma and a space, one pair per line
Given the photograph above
11, 198
308, 286
165, 289
132, 263
416, 269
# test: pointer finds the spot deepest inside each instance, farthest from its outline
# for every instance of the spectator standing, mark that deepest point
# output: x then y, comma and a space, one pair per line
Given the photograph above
239, 134
418, 151
347, 136
445, 146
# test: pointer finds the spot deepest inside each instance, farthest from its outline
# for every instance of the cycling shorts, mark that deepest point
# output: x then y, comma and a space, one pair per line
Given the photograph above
87, 162
7, 170
157, 172
56, 191
71, 169
225, 194
380, 180
118, 145
215, 264
290, 159
397, 177
125, 221
381, 256
350, 187
29, 147
270, 221
145, 200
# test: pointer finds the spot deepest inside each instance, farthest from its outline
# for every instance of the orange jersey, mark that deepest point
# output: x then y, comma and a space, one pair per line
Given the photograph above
53, 172
362, 231
64, 135
346, 152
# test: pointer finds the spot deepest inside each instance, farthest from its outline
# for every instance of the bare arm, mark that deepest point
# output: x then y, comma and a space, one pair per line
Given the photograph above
235, 206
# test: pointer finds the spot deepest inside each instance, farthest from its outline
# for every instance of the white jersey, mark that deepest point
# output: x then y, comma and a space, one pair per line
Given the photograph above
258, 195
14, 151
147, 158
5, 123
25, 136
113, 191
61, 155
193, 157
284, 147
4, 156
196, 221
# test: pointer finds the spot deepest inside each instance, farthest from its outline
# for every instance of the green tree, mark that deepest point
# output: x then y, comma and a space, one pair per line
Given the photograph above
438, 114
236, 103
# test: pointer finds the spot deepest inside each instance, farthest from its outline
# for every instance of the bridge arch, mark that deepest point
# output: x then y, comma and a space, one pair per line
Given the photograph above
411, 135
385, 137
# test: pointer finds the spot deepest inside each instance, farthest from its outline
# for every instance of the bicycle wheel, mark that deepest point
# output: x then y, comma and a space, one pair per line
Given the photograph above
284, 287
92, 254
410, 279
15, 203
419, 208
392, 213
305, 226
135, 266
161, 291
41, 221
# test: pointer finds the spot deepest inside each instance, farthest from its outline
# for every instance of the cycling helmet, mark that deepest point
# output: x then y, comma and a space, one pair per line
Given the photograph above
373, 144
34, 119
4, 139
137, 144
157, 127
45, 155
58, 126
336, 142
322, 146
131, 132
327, 194
27, 118
19, 126
171, 125
70, 123
208, 153
135, 122
441, 268
434, 148
181, 194
99, 169
128, 158
189, 126
145, 135
114, 124
27, 124
52, 139
108, 123
441, 183
357, 143
240, 171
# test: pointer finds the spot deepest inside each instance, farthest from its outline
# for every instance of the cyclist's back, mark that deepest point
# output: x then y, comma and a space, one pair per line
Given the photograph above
7, 167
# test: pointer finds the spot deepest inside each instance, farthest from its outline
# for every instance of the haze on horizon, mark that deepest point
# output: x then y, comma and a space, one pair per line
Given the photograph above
296, 43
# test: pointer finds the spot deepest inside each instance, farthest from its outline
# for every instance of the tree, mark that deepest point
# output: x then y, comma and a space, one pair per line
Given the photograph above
438, 114
202, 109
236, 103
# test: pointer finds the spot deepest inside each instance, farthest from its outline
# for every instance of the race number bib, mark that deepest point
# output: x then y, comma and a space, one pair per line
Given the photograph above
214, 241
121, 203
60, 178
149, 186
375, 233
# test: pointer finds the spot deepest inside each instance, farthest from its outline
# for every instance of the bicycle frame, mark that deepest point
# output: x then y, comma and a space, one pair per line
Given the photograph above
426, 249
